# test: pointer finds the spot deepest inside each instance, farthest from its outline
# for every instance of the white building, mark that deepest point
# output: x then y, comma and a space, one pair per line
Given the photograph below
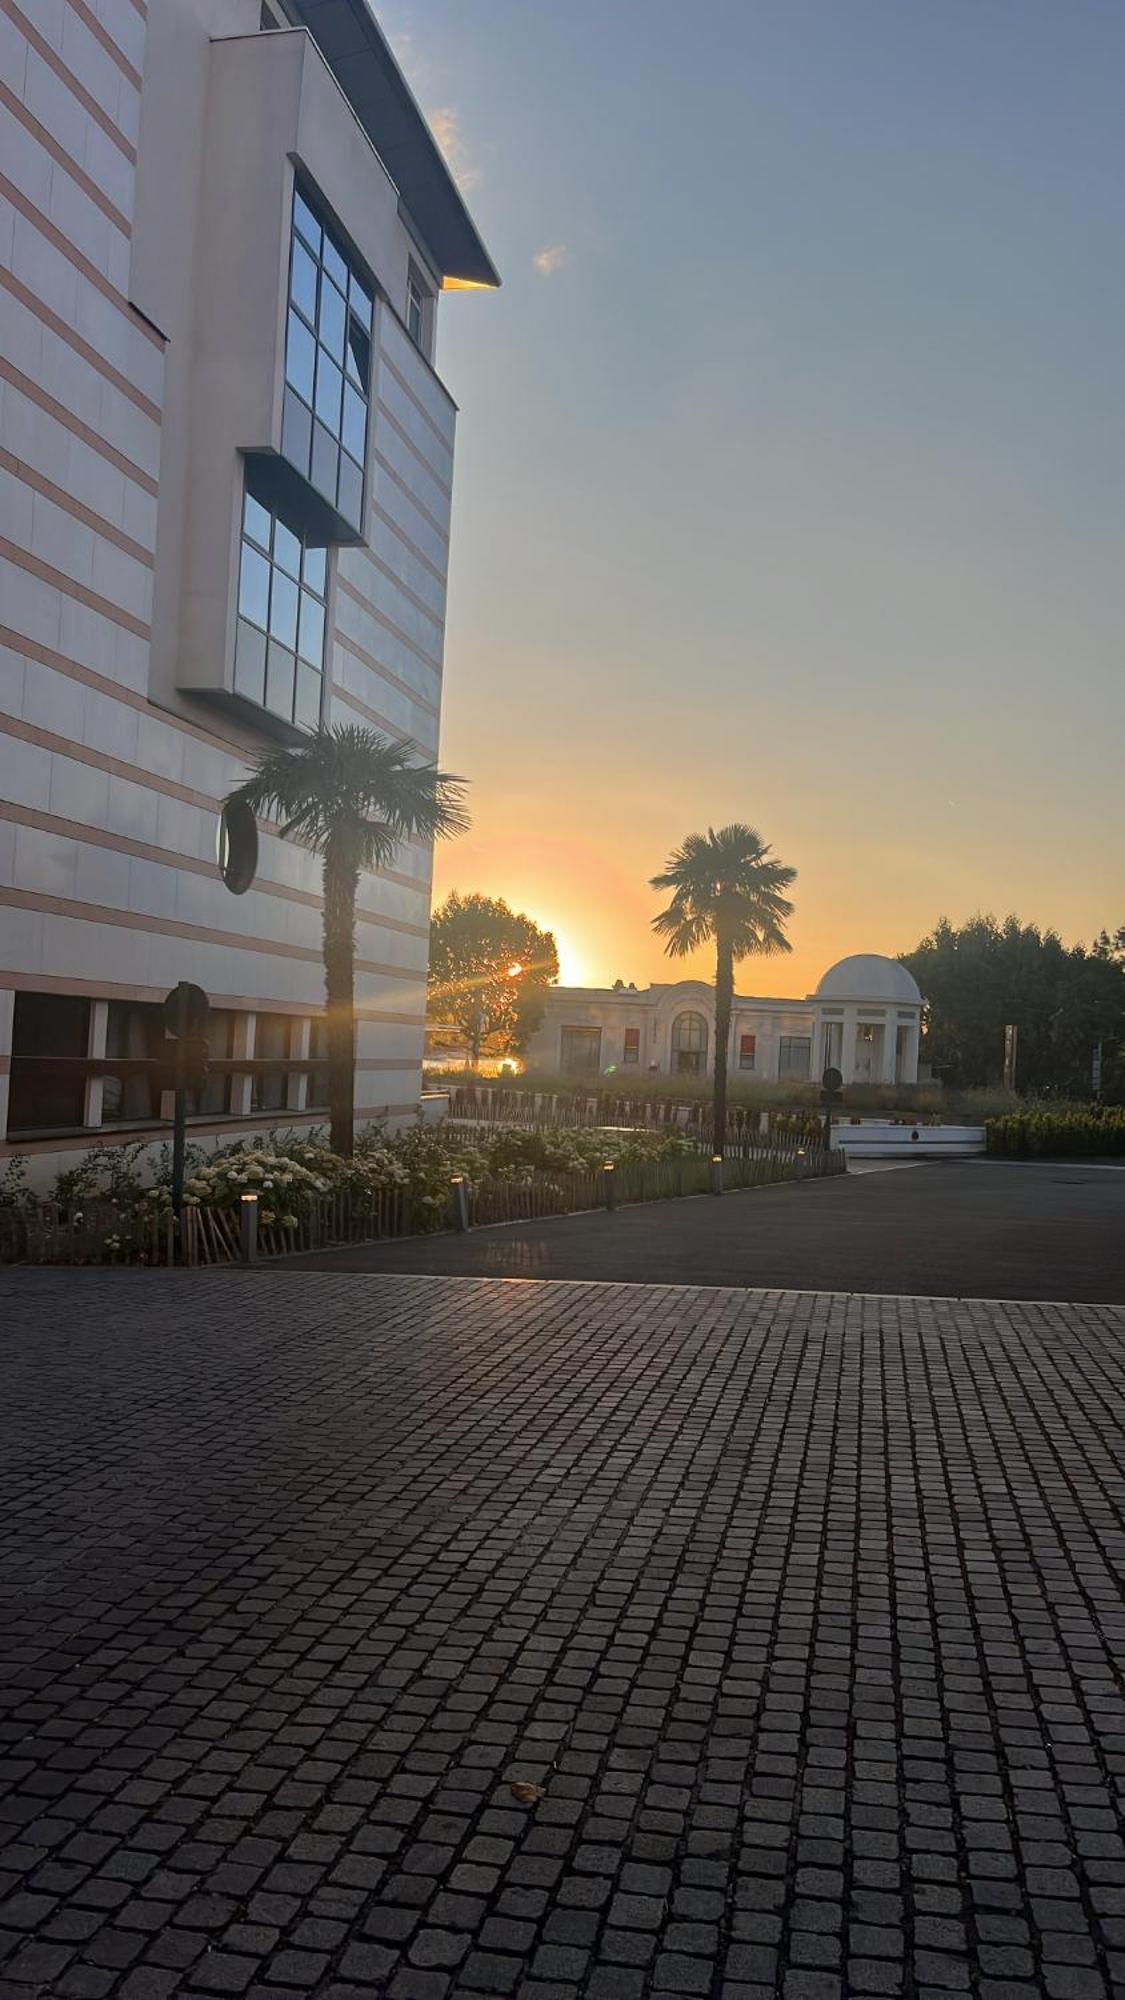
864, 1019
226, 464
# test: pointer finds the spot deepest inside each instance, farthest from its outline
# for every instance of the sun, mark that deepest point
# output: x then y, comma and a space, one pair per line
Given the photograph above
571, 964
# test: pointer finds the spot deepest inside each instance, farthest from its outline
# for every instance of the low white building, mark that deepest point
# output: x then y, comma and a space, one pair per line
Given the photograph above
864, 1019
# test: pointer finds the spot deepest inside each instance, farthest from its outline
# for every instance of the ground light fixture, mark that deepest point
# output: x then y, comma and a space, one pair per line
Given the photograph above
460, 1201
716, 1173
609, 1184
248, 1228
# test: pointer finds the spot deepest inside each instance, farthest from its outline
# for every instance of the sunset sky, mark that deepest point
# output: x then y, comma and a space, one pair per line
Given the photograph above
791, 463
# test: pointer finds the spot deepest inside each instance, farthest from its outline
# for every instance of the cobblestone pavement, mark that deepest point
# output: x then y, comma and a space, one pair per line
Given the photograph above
803, 1610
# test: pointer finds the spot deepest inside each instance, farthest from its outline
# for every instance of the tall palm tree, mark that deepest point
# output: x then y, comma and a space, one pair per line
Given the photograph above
727, 889
352, 796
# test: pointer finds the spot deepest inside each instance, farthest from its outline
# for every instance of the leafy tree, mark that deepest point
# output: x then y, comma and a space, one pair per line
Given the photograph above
727, 890
490, 968
978, 978
352, 796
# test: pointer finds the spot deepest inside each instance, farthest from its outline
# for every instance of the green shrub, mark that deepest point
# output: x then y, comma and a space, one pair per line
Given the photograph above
1070, 1133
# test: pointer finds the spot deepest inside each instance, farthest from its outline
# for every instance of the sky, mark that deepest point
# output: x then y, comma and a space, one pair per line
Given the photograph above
791, 459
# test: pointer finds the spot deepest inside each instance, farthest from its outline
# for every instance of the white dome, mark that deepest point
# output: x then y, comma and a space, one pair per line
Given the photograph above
868, 976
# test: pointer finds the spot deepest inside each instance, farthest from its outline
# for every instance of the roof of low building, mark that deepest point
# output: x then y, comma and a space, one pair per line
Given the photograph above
360, 58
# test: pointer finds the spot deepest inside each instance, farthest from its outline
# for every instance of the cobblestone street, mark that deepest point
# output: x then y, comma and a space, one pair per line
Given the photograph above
803, 1611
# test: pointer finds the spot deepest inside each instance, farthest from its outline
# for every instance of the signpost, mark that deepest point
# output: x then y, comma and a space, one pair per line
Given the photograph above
831, 1090
1096, 1072
185, 1013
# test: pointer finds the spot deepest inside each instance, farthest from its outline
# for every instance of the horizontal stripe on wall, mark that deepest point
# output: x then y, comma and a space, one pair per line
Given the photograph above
377, 562
23, 559
189, 864
242, 1003
65, 746
396, 478
375, 666
62, 159
26, 473
82, 264
108, 1135
66, 76
443, 485
400, 535
136, 920
446, 442
77, 428
82, 347
90, 20
388, 624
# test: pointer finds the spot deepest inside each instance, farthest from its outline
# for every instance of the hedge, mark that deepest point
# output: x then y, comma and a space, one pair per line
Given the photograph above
1058, 1135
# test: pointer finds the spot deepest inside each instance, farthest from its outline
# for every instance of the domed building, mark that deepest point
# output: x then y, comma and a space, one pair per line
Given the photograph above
864, 1020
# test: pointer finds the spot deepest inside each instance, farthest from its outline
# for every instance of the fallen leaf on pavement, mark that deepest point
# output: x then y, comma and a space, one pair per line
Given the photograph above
528, 1795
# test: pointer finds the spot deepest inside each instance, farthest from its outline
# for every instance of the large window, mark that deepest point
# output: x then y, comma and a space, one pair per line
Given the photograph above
282, 586
793, 1056
47, 1025
747, 1051
273, 1042
416, 297
689, 1044
327, 365
134, 1028
580, 1051
632, 1051
832, 1045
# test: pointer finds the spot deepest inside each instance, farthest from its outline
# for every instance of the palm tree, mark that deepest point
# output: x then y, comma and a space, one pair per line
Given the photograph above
727, 890
352, 796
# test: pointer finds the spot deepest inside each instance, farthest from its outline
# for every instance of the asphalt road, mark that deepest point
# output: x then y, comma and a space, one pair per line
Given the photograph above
956, 1229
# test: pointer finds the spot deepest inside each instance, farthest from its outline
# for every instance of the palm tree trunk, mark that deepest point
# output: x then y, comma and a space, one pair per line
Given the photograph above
341, 884
724, 998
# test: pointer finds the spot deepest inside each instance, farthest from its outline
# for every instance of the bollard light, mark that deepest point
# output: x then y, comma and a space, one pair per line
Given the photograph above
248, 1228
716, 1173
460, 1201
610, 1185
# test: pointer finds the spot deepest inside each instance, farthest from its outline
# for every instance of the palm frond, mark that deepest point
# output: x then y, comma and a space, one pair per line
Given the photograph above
352, 786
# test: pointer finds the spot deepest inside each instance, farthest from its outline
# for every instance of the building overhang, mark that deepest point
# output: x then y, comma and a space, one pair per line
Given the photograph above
359, 56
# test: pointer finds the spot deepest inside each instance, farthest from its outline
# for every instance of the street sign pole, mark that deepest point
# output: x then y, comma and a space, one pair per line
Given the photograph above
185, 1013
831, 1085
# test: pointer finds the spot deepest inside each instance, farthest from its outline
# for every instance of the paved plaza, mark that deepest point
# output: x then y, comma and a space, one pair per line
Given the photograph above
798, 1617
959, 1228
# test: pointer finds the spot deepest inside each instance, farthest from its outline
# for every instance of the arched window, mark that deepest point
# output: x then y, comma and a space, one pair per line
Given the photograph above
689, 1044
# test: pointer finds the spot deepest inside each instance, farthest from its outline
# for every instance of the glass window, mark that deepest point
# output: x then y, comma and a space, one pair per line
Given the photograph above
271, 1044
747, 1051
580, 1051
213, 1101
329, 330
794, 1052
277, 615
47, 1025
416, 310
689, 1044
134, 1028
632, 1052
317, 1094
302, 283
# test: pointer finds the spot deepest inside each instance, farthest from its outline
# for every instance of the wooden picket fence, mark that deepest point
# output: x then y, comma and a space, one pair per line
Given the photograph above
101, 1233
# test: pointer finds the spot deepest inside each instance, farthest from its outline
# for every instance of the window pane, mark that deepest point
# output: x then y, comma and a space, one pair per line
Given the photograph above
296, 432
329, 387
359, 354
316, 570
334, 263
283, 609
308, 697
333, 314
279, 681
350, 500
302, 281
360, 301
355, 423
325, 461
250, 662
300, 355
306, 221
253, 585
286, 548
256, 521
311, 640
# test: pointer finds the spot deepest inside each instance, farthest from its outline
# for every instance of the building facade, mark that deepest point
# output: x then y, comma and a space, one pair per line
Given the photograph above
226, 460
864, 1020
